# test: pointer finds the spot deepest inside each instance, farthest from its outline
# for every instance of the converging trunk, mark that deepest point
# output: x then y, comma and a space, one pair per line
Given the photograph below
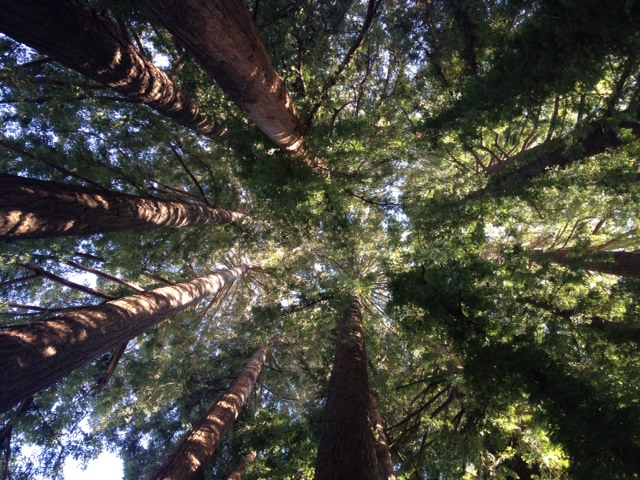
224, 39
622, 264
535, 161
35, 356
38, 209
347, 444
89, 42
198, 448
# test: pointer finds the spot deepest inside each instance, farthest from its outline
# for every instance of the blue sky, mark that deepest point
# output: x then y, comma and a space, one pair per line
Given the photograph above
106, 467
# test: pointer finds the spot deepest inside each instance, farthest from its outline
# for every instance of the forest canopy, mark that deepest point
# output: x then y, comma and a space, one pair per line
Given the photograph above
321, 239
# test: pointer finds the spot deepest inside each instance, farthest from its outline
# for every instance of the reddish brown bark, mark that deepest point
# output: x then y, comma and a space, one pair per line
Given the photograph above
198, 448
224, 39
35, 356
347, 443
37, 209
241, 469
623, 264
385, 463
92, 44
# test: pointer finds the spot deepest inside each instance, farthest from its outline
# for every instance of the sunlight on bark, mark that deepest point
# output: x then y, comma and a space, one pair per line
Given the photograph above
41, 353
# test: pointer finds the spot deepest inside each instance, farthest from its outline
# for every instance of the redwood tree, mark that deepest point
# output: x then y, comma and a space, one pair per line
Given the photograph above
91, 43
385, 463
31, 208
622, 264
472, 378
198, 448
347, 444
35, 356
223, 37
554, 153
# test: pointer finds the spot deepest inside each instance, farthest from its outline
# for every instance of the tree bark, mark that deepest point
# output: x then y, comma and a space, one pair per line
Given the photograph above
92, 44
241, 469
38, 209
35, 356
198, 448
385, 463
535, 161
347, 443
224, 39
622, 264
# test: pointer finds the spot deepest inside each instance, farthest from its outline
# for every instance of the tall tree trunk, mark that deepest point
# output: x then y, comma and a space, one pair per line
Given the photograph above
623, 264
347, 443
92, 44
241, 469
223, 37
35, 356
198, 448
38, 209
533, 162
385, 463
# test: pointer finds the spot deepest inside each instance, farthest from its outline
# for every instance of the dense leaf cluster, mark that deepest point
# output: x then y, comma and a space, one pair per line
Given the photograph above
502, 329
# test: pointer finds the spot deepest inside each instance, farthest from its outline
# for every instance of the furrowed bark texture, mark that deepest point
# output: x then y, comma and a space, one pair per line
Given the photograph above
38, 209
224, 39
198, 448
35, 356
92, 44
347, 443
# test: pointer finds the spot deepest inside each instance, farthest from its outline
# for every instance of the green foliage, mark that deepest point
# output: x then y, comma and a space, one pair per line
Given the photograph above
490, 353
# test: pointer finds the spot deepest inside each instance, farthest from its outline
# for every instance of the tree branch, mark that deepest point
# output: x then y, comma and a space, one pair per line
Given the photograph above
372, 10
65, 282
